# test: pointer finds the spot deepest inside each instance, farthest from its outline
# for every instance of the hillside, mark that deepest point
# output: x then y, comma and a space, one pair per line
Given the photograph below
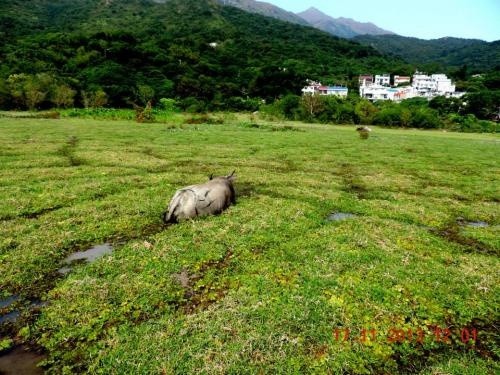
265, 9
197, 49
478, 55
342, 27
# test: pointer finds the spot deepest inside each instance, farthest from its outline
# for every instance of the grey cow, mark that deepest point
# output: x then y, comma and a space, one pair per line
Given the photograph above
210, 198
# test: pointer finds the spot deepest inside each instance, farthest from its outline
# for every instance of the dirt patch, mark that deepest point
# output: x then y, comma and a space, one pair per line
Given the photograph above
247, 189
352, 183
198, 297
68, 150
33, 214
452, 233
486, 341
21, 360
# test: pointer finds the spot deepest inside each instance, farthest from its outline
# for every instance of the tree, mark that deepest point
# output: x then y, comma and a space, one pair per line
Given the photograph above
63, 96
94, 99
34, 95
144, 94
365, 110
312, 104
15, 84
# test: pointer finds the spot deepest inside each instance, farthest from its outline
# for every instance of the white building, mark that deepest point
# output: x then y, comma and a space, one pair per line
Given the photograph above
443, 84
383, 79
434, 85
399, 80
378, 92
318, 88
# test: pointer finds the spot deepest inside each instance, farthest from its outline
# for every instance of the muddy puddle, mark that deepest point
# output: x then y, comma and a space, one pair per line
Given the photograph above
477, 224
8, 301
11, 315
87, 256
473, 224
338, 216
20, 361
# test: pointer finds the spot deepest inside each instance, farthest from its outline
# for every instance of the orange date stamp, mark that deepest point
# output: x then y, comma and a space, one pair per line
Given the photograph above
418, 335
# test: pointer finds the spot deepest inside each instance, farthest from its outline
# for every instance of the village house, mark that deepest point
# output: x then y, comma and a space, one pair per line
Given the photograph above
422, 86
433, 85
399, 80
318, 88
365, 80
383, 80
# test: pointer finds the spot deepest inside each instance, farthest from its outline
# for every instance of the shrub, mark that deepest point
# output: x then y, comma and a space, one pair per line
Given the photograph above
169, 105
426, 118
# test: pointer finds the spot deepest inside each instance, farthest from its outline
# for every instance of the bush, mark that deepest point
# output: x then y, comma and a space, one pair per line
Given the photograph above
169, 105
237, 103
426, 118
388, 116
193, 105
470, 124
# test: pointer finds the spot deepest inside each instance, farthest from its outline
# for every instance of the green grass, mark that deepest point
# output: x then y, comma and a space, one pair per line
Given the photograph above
269, 280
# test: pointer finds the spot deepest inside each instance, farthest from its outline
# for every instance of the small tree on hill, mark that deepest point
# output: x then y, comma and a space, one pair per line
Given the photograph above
63, 96
312, 104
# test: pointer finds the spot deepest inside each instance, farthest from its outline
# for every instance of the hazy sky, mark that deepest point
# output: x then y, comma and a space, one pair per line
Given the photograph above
426, 19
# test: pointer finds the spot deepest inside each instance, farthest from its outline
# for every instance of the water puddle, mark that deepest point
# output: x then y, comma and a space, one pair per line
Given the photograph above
20, 361
13, 316
10, 318
338, 216
478, 224
474, 224
87, 256
8, 301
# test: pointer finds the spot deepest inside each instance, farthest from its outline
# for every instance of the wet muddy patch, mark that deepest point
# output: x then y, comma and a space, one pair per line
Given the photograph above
473, 224
199, 296
20, 360
340, 216
247, 189
32, 214
14, 307
8, 301
352, 183
453, 233
87, 256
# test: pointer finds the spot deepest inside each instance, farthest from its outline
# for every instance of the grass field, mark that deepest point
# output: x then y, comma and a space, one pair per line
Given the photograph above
269, 286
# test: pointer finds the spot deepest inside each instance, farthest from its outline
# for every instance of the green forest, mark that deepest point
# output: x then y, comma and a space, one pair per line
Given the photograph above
192, 50
204, 57
446, 54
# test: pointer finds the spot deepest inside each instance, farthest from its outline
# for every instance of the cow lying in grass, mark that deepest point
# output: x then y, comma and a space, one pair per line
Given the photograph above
364, 131
210, 198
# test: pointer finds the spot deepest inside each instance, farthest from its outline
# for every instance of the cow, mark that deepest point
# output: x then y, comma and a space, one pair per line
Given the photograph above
364, 131
210, 198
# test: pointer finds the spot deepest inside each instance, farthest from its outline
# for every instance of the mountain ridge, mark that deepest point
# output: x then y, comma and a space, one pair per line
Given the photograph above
446, 52
265, 9
341, 26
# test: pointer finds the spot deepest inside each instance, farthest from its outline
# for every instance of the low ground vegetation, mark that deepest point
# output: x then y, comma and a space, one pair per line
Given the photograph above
270, 285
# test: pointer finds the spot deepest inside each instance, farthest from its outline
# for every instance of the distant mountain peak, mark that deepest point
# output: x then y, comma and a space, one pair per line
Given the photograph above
342, 27
265, 9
